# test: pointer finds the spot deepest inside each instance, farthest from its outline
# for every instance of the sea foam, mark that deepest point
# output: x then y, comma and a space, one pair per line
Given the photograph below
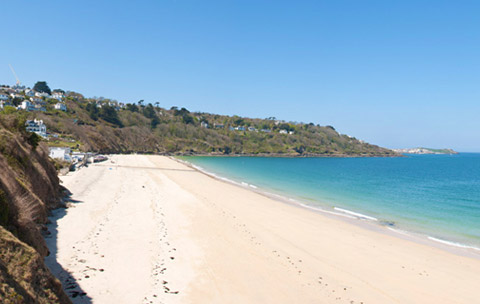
356, 214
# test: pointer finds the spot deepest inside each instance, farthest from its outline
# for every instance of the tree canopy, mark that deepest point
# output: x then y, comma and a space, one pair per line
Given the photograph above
41, 86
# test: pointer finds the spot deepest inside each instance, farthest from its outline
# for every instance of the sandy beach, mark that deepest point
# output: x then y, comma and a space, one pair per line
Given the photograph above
148, 229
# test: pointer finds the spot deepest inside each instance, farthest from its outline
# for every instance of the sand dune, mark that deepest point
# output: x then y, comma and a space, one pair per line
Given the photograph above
147, 229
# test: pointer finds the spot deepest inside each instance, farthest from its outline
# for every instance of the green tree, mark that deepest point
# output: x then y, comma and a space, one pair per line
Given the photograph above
9, 110
109, 114
148, 111
154, 123
92, 110
41, 86
181, 112
187, 119
33, 139
132, 107
17, 101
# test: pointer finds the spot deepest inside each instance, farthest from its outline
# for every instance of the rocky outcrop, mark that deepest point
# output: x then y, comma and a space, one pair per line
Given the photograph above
29, 188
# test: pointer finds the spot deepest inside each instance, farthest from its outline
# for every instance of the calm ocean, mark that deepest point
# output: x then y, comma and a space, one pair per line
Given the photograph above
434, 195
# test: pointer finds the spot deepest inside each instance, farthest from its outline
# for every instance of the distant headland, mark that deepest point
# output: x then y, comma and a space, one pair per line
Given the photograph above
421, 150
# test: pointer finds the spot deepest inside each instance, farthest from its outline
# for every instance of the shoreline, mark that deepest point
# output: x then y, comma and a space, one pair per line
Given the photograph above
358, 219
150, 229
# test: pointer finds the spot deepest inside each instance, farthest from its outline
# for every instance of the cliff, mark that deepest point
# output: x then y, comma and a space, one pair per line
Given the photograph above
29, 188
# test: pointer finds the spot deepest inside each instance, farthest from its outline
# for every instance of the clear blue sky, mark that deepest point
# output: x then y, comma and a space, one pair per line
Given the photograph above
394, 73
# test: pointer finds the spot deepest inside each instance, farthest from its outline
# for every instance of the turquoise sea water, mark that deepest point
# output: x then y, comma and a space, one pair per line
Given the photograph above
435, 195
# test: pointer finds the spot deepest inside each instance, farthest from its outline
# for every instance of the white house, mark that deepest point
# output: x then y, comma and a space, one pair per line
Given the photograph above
58, 95
15, 95
27, 106
36, 99
60, 106
41, 94
251, 129
60, 153
29, 93
36, 126
283, 132
204, 124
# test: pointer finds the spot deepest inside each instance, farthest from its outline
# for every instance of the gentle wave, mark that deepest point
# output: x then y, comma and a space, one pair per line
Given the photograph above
326, 211
244, 184
453, 243
399, 231
341, 212
356, 214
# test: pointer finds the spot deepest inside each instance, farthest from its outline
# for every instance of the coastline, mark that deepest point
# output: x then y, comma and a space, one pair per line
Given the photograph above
285, 155
361, 220
233, 245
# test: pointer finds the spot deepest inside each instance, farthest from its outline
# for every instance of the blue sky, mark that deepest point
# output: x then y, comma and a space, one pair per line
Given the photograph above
394, 73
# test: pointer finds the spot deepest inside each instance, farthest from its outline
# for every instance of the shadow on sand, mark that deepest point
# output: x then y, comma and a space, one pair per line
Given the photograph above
70, 285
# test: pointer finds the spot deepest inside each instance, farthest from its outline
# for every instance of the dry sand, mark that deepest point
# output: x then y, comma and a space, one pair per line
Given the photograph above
143, 228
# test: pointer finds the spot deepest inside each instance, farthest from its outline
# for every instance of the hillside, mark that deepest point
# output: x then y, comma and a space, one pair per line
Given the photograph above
29, 188
105, 126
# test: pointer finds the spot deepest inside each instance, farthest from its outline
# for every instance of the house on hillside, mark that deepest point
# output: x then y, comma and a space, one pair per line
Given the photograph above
15, 95
266, 130
61, 153
204, 124
60, 106
36, 126
240, 128
218, 126
4, 96
29, 93
283, 132
27, 106
40, 108
58, 95
252, 129
36, 99
42, 94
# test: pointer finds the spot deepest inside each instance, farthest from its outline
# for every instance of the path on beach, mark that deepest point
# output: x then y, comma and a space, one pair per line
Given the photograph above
147, 229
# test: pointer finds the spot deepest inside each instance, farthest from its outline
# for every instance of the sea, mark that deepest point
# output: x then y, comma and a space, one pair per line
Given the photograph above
435, 196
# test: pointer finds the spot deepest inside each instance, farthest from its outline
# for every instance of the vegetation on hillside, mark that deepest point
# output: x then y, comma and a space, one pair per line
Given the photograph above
102, 125
29, 188
42, 87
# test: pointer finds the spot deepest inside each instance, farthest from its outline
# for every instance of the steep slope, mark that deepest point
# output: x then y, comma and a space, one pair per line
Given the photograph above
29, 187
97, 126
24, 277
